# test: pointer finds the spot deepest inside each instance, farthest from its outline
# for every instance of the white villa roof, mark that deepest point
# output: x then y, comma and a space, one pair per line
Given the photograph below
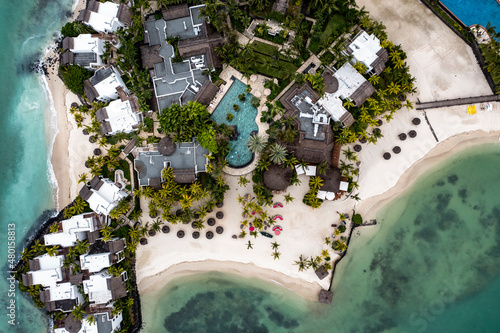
344, 186
74, 229
106, 18
48, 262
365, 47
102, 320
47, 277
97, 288
321, 195
63, 291
87, 44
106, 198
121, 116
309, 170
106, 88
95, 262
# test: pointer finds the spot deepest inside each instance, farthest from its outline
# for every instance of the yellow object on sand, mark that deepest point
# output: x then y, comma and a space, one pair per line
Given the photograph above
471, 109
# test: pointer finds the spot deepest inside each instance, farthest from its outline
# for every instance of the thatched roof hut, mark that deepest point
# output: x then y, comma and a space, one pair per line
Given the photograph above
278, 178
166, 146
325, 296
72, 325
321, 272
331, 180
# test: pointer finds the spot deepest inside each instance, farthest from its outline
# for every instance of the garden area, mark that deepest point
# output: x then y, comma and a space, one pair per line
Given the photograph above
270, 62
333, 29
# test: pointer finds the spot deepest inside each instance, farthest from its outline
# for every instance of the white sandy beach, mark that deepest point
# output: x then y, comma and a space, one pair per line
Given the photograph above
444, 67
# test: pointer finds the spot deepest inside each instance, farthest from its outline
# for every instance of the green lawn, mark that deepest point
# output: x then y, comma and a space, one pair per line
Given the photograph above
334, 28
263, 51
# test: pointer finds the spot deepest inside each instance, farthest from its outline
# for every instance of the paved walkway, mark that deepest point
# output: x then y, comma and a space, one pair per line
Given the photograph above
457, 101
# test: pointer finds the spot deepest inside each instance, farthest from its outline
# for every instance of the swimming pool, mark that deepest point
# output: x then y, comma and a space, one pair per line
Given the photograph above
475, 11
244, 120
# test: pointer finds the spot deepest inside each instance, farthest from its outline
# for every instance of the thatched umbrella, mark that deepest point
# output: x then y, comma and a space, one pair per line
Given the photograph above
402, 136
92, 138
396, 150
357, 148
219, 215
178, 213
363, 140
165, 229
85, 132
87, 164
143, 241
193, 224
166, 146
278, 178
220, 204
219, 230
211, 221
72, 325
151, 233
387, 156
97, 152
412, 133
401, 97
74, 105
321, 272
416, 121
325, 296
196, 235
379, 122
331, 83
180, 233
209, 235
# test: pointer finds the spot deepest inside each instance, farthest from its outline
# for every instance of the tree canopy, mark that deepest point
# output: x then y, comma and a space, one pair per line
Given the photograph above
188, 121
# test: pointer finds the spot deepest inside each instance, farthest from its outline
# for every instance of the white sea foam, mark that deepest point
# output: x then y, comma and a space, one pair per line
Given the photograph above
55, 130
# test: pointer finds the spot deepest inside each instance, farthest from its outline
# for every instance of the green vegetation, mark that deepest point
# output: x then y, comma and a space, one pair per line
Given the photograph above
73, 77
229, 116
357, 219
73, 29
491, 53
174, 41
335, 27
261, 31
269, 61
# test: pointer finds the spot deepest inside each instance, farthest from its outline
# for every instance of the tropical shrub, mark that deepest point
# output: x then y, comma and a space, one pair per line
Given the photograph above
357, 219
229, 116
73, 77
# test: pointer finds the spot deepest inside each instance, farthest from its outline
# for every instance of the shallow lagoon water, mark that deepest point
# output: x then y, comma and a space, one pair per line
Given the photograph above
432, 265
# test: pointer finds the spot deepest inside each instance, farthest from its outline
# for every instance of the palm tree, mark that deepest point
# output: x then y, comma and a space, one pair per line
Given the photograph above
256, 143
350, 155
82, 178
249, 245
275, 245
277, 153
243, 181
90, 320
322, 168
276, 255
288, 198
315, 182
52, 251
340, 245
301, 263
78, 312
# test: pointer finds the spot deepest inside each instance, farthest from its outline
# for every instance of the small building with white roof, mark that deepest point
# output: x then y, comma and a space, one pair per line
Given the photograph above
105, 85
103, 288
62, 297
120, 116
105, 16
102, 195
366, 49
102, 255
104, 323
77, 228
44, 270
84, 50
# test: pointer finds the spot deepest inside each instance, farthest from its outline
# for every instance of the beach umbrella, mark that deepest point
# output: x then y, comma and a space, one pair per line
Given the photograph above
85, 132
74, 105
92, 138
196, 235
97, 152
211, 221
363, 140
219, 215
416, 121
209, 235
379, 122
219, 230
387, 156
396, 150
151, 233
357, 148
165, 229
220, 204
412, 133
402, 136
180, 234
143, 241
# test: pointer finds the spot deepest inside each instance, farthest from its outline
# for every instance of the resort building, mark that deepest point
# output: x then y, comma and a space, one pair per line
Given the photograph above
61, 297
103, 288
187, 159
102, 195
366, 49
120, 116
105, 85
77, 228
277, 178
177, 70
105, 16
45, 270
333, 185
104, 323
84, 50
102, 255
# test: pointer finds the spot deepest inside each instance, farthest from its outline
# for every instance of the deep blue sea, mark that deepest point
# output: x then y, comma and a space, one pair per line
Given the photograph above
27, 127
431, 265
475, 11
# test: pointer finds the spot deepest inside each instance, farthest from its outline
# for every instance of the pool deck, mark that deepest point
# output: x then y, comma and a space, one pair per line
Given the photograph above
257, 83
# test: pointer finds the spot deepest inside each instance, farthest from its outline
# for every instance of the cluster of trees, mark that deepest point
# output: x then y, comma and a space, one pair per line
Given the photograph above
491, 53
73, 77
189, 121
73, 29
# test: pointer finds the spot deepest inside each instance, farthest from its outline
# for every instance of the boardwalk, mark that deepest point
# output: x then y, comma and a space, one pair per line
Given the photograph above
457, 101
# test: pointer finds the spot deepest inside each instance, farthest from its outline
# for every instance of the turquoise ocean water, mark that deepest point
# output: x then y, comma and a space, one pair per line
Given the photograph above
432, 265
27, 128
